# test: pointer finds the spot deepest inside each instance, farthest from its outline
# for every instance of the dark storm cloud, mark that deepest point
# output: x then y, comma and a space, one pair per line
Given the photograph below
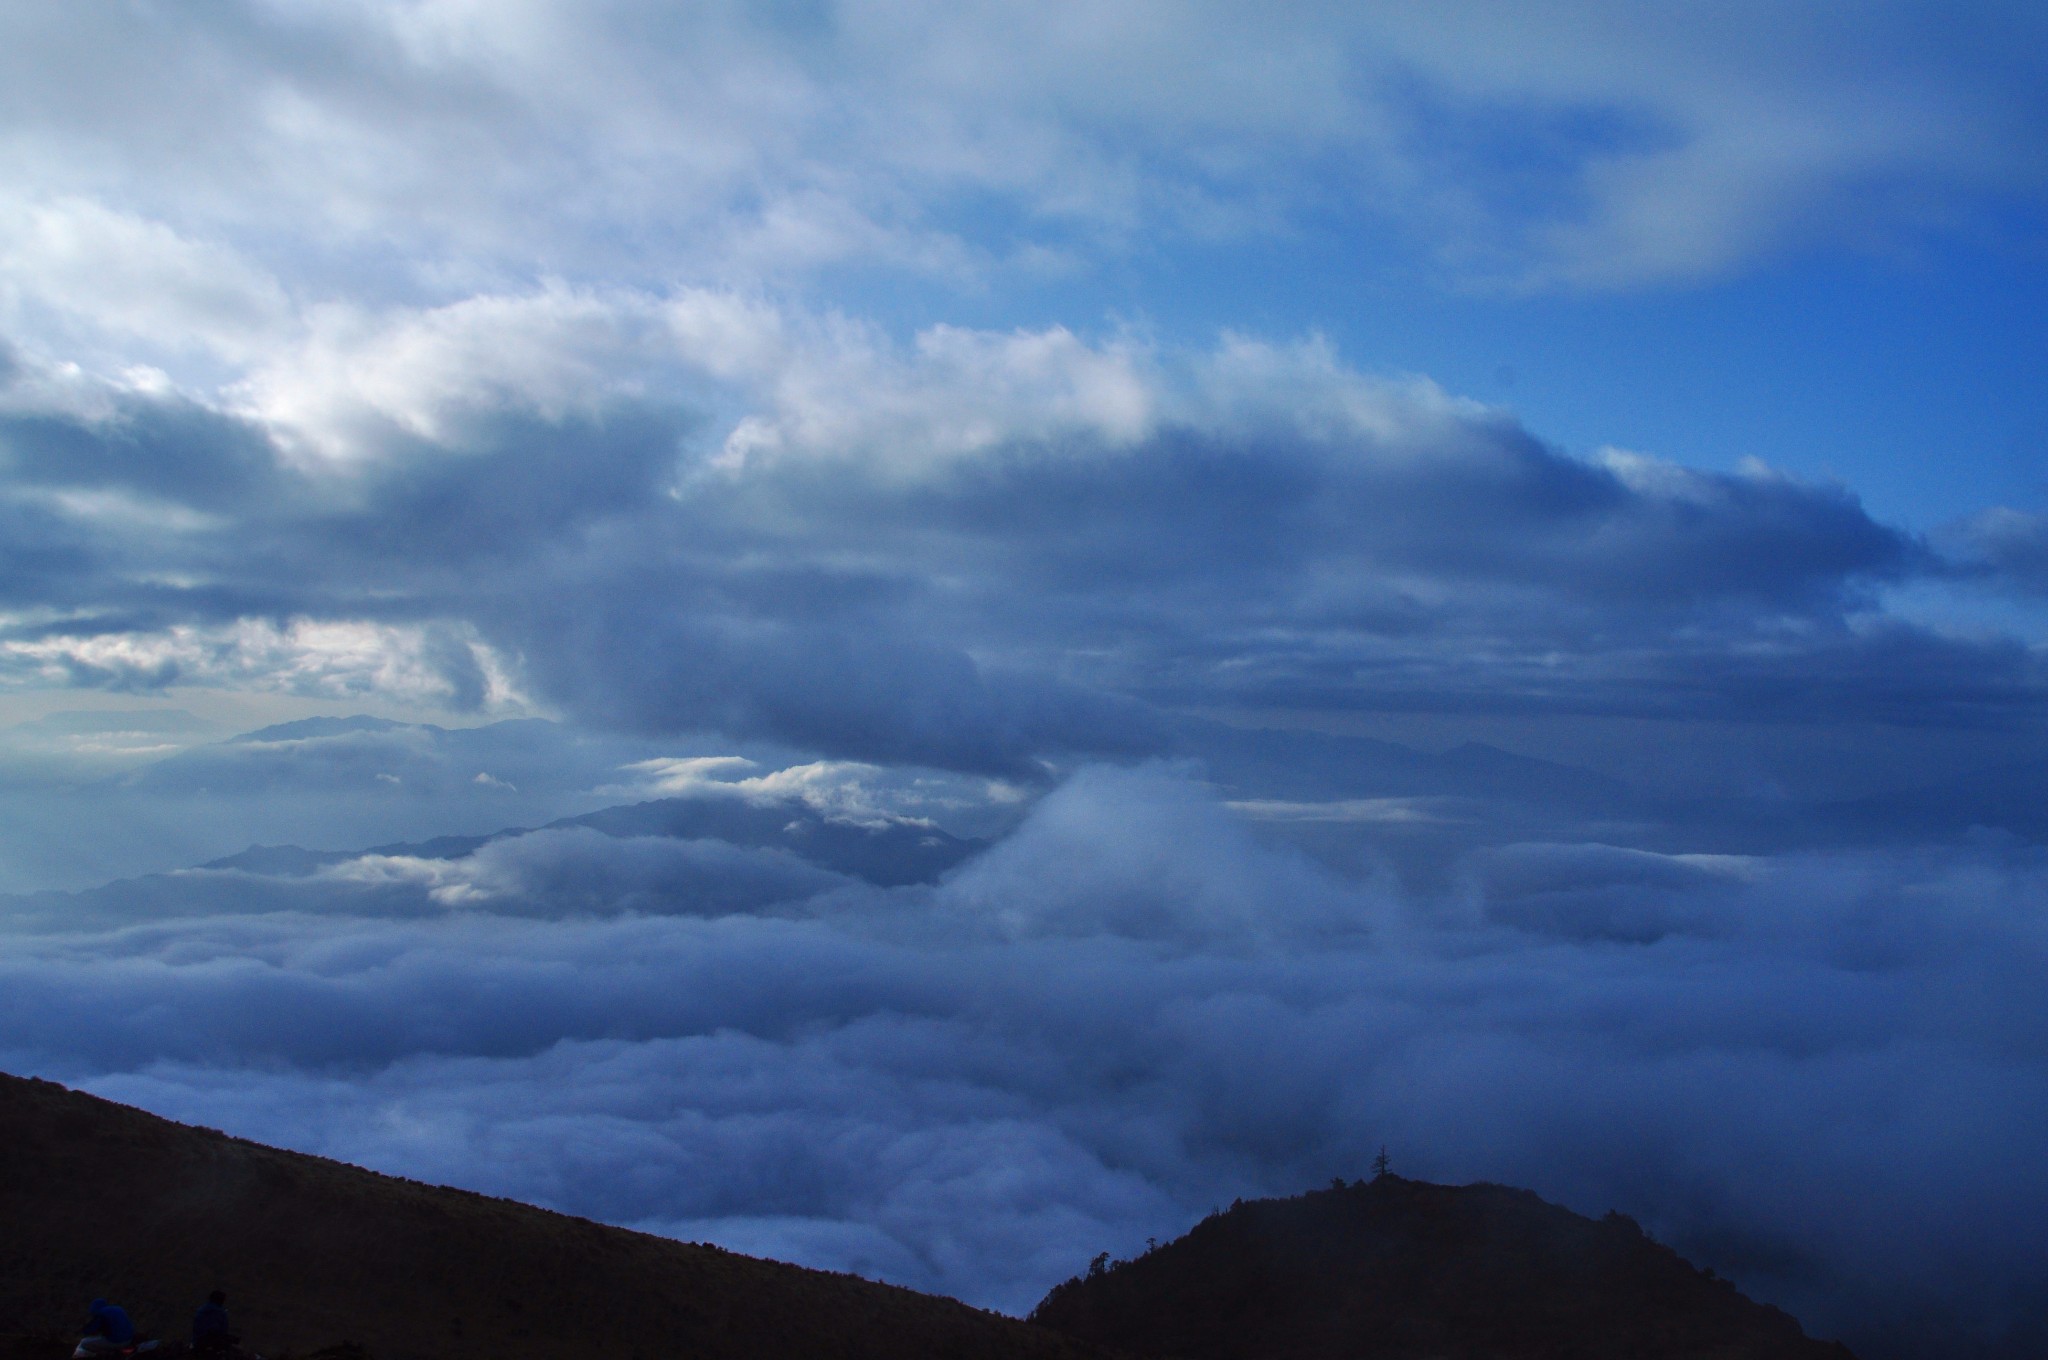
1471, 567
1215, 562
514, 486
1267, 515
44, 558
978, 610
1130, 1011
868, 684
161, 446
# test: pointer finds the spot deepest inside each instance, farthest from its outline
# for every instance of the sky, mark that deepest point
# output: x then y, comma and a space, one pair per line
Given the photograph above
929, 639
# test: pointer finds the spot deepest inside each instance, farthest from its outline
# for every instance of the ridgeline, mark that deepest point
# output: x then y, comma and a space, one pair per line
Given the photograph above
1395, 1269
100, 1199
317, 1256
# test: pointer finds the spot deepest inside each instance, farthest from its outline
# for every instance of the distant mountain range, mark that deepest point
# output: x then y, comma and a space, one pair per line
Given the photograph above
101, 1199
888, 854
1359, 804
1476, 792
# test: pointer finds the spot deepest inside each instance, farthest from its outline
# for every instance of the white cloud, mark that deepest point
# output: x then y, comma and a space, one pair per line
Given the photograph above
360, 383
408, 665
120, 272
386, 149
854, 792
956, 393
363, 387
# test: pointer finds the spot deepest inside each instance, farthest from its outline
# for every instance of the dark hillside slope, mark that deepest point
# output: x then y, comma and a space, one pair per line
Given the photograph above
1403, 1270
97, 1198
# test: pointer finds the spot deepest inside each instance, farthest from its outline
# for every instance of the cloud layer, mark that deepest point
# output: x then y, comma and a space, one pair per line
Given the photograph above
974, 552
415, 146
1128, 1011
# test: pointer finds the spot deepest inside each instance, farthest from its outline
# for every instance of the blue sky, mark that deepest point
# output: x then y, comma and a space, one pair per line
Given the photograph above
1912, 374
1425, 574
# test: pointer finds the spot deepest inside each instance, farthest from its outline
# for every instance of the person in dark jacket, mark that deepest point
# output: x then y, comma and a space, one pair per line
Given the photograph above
107, 1328
211, 1334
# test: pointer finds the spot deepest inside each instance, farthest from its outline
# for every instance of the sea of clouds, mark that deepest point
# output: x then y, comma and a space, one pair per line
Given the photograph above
1818, 1072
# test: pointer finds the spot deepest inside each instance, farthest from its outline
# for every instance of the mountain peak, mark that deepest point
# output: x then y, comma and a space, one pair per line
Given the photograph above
1395, 1269
310, 729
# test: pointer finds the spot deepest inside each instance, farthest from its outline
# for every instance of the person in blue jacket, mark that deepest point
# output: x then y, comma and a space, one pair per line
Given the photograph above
107, 1328
211, 1334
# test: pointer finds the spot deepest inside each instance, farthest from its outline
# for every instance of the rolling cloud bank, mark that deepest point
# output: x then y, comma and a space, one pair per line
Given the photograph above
968, 1065
667, 614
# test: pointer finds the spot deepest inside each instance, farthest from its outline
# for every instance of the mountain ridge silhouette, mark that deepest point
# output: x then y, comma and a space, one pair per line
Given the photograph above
98, 1198
1394, 1269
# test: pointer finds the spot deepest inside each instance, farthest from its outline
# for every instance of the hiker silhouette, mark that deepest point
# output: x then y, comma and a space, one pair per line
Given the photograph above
211, 1334
107, 1329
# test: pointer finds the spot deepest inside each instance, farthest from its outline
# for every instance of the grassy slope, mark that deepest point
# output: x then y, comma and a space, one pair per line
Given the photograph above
97, 1198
